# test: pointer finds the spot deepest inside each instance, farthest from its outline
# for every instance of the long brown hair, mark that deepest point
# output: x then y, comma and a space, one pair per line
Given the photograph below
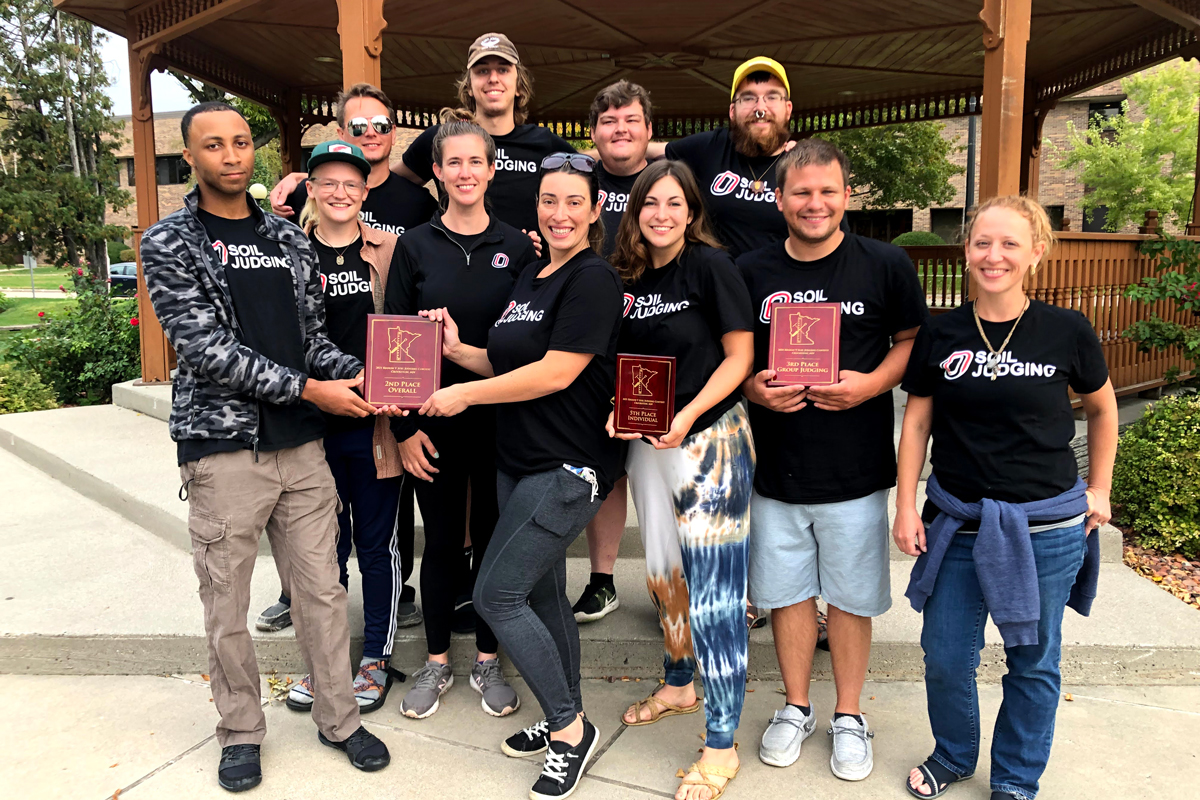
520, 104
632, 256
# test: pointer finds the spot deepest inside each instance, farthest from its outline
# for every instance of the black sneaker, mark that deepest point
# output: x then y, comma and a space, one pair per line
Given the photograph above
240, 768
564, 766
365, 750
275, 618
408, 615
596, 602
527, 742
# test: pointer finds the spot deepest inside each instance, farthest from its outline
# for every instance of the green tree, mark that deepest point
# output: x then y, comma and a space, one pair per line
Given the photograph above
1135, 165
899, 165
57, 138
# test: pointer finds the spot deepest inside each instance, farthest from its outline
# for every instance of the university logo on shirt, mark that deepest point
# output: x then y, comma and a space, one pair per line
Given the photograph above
628, 304
500, 261
852, 307
957, 364
519, 312
728, 182
247, 256
368, 219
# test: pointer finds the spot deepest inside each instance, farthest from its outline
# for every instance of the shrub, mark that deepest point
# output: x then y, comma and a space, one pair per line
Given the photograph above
127, 255
22, 390
83, 351
114, 251
1156, 481
918, 239
5, 302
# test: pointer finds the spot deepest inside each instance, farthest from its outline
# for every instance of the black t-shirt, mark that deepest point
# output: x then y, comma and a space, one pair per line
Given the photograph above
348, 301
512, 197
393, 206
1007, 439
614, 200
576, 309
744, 220
683, 309
262, 284
815, 456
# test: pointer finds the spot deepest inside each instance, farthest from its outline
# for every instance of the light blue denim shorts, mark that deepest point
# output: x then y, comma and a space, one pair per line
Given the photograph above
836, 551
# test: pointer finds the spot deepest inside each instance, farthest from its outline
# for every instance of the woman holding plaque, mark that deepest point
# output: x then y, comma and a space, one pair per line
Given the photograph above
355, 261
691, 486
465, 260
1006, 525
552, 353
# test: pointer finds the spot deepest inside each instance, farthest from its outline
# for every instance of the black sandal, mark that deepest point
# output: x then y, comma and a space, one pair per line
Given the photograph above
937, 778
755, 618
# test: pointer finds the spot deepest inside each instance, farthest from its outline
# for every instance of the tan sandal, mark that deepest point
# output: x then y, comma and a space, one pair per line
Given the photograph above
709, 770
658, 710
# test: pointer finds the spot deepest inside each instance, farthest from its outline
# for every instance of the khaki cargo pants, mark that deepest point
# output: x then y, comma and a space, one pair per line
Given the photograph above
291, 494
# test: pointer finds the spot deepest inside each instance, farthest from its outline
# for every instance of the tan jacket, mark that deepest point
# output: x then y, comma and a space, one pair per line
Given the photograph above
377, 249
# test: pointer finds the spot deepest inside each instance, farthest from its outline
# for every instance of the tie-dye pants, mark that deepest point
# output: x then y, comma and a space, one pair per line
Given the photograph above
693, 507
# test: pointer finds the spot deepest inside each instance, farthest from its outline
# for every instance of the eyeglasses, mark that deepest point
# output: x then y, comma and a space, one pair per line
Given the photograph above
358, 126
353, 189
578, 161
751, 100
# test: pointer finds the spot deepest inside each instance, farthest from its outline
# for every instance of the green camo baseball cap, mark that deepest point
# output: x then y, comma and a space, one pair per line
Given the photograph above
337, 150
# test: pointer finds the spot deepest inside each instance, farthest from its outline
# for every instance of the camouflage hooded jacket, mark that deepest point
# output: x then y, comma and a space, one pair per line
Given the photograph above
220, 383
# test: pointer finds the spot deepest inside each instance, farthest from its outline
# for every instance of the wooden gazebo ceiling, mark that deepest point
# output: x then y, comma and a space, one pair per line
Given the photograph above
871, 61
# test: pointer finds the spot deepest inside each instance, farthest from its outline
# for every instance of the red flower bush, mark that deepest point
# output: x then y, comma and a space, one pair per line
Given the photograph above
134, 322
41, 314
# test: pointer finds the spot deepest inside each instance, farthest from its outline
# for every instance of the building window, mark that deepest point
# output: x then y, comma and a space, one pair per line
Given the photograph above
947, 223
1056, 217
172, 170
130, 172
884, 225
1097, 222
1107, 112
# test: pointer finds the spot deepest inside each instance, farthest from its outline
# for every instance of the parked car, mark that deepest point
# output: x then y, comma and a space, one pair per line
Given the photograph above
122, 278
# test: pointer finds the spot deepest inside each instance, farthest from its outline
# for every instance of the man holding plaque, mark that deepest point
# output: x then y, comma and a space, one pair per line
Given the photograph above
238, 294
826, 459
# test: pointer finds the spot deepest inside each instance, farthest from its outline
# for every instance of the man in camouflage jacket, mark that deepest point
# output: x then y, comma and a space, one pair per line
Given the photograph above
224, 279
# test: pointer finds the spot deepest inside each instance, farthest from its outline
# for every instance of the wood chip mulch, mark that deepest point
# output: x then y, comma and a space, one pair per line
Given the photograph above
1171, 571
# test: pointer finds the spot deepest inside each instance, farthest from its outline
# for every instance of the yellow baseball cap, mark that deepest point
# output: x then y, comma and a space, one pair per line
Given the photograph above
756, 64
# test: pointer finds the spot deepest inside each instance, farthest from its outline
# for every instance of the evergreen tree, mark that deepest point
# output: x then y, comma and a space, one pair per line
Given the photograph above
57, 139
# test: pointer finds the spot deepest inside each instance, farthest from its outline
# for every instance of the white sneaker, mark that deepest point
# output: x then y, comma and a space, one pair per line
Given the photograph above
852, 759
781, 741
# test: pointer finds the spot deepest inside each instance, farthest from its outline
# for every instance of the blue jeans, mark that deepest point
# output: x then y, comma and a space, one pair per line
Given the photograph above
952, 638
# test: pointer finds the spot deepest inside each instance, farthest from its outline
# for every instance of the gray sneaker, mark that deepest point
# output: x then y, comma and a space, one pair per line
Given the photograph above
408, 615
430, 683
781, 741
499, 699
852, 759
275, 618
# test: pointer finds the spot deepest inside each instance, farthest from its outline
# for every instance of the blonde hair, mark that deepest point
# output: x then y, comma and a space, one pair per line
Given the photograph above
1031, 210
308, 214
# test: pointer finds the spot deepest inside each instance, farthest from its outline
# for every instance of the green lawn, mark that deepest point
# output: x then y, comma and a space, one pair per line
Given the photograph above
25, 310
49, 278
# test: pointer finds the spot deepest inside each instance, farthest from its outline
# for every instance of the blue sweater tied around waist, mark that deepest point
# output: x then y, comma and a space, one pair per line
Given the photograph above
1004, 557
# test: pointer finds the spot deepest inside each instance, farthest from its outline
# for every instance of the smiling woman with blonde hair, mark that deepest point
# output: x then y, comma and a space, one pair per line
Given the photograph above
1006, 527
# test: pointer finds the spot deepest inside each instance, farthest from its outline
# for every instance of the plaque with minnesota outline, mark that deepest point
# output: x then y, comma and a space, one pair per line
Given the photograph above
404, 360
804, 344
645, 397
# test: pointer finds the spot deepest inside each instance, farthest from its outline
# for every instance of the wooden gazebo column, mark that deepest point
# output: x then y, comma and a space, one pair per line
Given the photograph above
1005, 36
360, 28
156, 352
1193, 226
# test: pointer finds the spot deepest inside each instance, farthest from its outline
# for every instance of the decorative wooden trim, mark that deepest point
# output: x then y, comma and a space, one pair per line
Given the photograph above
161, 21
1185, 13
1164, 42
225, 72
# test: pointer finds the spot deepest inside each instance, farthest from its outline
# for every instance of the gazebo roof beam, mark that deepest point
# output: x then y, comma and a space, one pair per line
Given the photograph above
1182, 14
160, 21
599, 22
755, 7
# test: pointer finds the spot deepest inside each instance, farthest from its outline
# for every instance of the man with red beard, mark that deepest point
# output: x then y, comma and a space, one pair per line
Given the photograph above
735, 166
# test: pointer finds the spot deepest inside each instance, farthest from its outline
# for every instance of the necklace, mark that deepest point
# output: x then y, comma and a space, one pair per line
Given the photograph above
340, 253
756, 185
993, 358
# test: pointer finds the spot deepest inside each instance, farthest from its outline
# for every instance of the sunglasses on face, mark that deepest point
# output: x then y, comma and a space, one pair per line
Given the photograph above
358, 126
578, 161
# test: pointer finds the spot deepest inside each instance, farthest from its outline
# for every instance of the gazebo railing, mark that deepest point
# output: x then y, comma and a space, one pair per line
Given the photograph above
940, 269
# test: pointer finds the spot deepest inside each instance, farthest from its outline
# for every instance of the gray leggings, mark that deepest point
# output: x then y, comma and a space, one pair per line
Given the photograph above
521, 590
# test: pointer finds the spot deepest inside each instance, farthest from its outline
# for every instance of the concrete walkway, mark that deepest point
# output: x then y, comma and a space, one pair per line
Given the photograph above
150, 738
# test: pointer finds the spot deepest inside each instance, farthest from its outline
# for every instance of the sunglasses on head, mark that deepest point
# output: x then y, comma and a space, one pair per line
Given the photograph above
578, 161
358, 126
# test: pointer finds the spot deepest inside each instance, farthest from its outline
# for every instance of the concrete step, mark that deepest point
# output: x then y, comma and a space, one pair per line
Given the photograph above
123, 458
86, 592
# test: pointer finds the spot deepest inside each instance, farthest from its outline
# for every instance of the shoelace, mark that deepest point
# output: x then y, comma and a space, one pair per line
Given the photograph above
427, 677
556, 766
798, 724
489, 674
237, 753
859, 733
537, 730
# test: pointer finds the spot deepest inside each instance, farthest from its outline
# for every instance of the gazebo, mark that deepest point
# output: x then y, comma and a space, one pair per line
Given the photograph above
862, 63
